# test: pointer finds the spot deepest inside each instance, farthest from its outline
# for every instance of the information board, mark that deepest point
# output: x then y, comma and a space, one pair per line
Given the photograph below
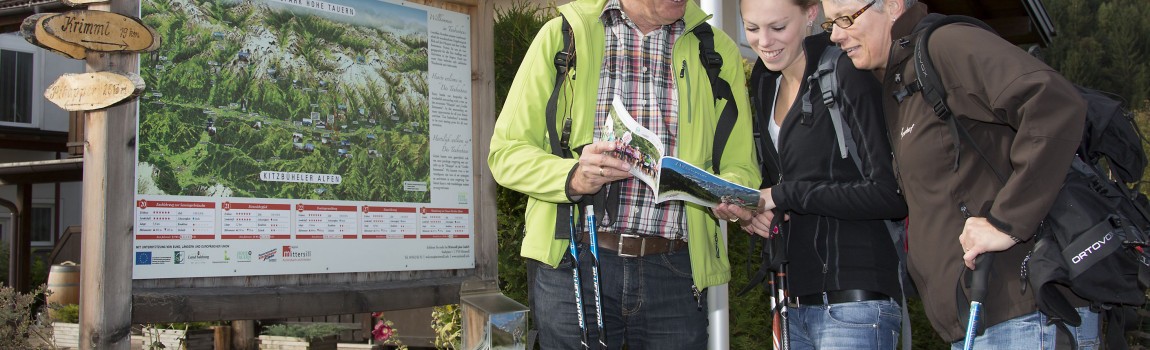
304, 136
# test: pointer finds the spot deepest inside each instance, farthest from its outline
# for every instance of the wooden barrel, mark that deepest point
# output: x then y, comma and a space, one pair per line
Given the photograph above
64, 282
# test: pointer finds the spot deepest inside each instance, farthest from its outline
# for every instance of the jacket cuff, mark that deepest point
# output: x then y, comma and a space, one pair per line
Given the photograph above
1005, 228
567, 188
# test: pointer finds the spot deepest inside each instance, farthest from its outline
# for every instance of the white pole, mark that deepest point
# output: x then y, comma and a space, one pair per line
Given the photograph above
715, 8
718, 309
717, 305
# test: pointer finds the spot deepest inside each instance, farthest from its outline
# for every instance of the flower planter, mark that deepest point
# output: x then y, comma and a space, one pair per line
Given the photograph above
66, 335
179, 339
272, 342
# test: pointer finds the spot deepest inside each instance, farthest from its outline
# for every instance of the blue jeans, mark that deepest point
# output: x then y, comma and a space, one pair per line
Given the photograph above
648, 302
1030, 331
848, 326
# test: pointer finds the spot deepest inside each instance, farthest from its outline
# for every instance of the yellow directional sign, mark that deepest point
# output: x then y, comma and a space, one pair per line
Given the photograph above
102, 31
33, 30
88, 91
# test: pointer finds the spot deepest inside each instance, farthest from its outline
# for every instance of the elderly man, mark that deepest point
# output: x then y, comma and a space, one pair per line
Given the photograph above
653, 293
1025, 118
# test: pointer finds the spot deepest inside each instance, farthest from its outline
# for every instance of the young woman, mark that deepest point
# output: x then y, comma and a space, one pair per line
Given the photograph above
842, 273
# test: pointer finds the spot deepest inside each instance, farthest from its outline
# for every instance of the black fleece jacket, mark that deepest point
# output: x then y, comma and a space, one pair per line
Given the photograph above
836, 237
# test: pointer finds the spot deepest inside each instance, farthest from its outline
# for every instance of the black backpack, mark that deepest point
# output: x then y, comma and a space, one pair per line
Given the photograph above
1092, 242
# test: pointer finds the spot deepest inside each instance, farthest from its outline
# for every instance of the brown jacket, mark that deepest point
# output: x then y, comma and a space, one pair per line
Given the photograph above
1028, 121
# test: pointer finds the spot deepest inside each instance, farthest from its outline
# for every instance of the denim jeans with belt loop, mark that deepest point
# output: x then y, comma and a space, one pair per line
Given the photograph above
648, 302
871, 324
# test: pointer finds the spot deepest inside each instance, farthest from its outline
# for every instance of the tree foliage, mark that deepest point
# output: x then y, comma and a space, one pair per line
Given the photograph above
1103, 44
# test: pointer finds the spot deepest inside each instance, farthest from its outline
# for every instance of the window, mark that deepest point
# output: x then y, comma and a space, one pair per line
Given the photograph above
15, 87
42, 220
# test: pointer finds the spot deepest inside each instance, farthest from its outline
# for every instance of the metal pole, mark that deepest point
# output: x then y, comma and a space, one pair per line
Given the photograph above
718, 309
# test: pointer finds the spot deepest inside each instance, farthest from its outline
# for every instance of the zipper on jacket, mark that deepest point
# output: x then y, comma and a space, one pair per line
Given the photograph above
686, 101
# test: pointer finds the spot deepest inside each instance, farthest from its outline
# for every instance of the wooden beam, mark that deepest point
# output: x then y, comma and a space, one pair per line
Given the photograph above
43, 177
250, 303
109, 179
483, 106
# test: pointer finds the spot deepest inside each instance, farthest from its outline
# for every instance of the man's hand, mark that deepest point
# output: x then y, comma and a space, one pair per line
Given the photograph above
979, 236
597, 168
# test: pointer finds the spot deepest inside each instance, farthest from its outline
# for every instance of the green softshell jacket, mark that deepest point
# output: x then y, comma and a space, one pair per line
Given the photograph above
521, 157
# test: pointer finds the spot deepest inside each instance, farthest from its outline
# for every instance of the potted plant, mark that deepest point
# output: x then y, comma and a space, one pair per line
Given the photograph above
181, 336
65, 325
307, 336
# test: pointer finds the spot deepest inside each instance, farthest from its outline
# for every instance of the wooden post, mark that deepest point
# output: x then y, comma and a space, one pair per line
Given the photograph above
483, 103
244, 335
222, 337
109, 174
21, 260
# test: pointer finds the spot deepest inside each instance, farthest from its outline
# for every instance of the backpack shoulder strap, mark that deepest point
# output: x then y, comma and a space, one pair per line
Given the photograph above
828, 83
931, 84
932, 89
713, 63
564, 61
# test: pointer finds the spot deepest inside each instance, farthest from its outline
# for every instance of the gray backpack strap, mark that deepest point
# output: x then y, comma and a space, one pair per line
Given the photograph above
829, 86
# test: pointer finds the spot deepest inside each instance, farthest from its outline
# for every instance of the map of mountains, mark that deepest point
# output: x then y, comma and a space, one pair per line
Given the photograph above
243, 87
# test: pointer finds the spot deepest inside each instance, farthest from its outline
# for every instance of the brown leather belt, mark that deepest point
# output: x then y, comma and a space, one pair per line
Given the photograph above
633, 246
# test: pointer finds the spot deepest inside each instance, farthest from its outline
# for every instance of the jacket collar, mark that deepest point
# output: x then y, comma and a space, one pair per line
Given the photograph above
902, 34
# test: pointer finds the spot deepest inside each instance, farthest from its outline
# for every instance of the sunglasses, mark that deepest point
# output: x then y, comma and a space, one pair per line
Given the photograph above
845, 22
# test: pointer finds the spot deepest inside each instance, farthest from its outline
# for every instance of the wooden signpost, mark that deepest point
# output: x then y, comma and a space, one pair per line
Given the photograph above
89, 91
102, 31
33, 30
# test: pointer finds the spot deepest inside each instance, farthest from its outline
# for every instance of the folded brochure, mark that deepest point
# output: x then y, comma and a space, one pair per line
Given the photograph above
669, 177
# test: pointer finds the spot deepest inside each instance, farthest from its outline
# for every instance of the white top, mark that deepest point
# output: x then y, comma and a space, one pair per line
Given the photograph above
772, 126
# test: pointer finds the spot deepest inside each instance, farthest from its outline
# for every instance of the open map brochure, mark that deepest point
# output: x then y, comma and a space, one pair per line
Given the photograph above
669, 177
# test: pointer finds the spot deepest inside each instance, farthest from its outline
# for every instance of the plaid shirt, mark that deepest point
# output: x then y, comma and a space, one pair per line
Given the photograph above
639, 69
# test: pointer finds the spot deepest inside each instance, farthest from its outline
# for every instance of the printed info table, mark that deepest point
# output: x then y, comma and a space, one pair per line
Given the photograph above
390, 222
444, 223
319, 221
255, 221
175, 220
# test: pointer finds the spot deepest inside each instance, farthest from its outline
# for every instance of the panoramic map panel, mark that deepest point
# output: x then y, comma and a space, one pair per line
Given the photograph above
289, 99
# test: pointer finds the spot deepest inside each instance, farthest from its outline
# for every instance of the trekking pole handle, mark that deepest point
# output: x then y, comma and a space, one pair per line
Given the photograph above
981, 276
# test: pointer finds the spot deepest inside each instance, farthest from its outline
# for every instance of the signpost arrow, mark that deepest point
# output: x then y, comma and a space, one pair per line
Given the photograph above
33, 30
102, 31
88, 91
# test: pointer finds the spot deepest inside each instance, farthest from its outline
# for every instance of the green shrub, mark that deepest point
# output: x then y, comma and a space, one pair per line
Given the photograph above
20, 328
67, 313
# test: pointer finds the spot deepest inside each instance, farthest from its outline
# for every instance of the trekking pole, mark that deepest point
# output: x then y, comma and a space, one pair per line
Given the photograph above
780, 336
776, 302
578, 285
594, 246
784, 321
978, 285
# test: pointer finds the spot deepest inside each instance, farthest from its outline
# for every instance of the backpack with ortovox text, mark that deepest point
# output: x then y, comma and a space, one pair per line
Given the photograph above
1093, 240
